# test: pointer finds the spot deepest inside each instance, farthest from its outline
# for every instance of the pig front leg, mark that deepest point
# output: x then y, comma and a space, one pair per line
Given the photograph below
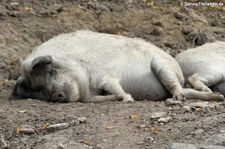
112, 86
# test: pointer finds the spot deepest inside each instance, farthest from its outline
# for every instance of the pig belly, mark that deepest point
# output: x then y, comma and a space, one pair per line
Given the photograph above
141, 83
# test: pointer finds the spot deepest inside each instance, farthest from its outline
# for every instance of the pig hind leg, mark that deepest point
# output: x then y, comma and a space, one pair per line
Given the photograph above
207, 96
170, 77
202, 82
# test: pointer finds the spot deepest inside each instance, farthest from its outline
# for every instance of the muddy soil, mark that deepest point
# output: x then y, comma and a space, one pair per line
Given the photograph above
169, 25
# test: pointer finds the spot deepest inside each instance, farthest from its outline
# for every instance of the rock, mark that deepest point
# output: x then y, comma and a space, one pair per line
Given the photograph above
15, 14
196, 16
164, 120
25, 130
216, 22
199, 104
193, 146
59, 126
181, 146
171, 101
3, 11
187, 108
198, 132
97, 6
3, 143
204, 105
187, 29
218, 139
180, 16
157, 23
2, 114
157, 31
157, 115
72, 145
222, 131
82, 119
56, 8
210, 147
59, 141
43, 12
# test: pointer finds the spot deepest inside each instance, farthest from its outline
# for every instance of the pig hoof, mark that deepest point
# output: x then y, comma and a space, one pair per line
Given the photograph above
220, 96
119, 98
128, 98
179, 97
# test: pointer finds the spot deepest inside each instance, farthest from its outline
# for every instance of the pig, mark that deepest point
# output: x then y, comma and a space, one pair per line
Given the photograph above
87, 66
203, 67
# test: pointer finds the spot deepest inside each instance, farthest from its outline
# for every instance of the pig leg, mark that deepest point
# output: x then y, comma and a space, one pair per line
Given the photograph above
112, 86
207, 96
202, 81
169, 77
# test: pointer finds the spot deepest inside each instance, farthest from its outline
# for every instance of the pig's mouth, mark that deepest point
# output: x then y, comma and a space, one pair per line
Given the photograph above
62, 96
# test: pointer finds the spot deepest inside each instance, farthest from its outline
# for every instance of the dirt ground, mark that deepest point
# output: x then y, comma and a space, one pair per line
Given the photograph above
171, 26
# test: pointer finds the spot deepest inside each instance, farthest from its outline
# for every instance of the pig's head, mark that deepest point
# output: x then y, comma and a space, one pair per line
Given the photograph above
46, 80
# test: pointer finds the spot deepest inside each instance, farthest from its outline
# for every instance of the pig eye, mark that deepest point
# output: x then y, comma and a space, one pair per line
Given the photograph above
52, 72
38, 89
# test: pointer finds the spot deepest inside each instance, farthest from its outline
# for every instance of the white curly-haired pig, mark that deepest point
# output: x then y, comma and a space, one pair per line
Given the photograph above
204, 67
94, 67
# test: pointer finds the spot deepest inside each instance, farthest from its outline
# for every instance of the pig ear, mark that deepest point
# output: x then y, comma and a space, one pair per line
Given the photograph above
22, 88
40, 62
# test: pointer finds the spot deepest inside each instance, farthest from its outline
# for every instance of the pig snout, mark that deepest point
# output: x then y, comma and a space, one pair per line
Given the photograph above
59, 97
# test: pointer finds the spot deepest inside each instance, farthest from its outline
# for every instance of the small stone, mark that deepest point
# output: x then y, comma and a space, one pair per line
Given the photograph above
197, 16
74, 123
149, 139
139, 143
2, 114
25, 130
202, 146
72, 145
171, 101
3, 143
82, 119
187, 108
157, 31
59, 126
157, 115
157, 23
222, 131
181, 146
187, 29
218, 139
198, 132
14, 13
164, 120
202, 105
56, 8
179, 16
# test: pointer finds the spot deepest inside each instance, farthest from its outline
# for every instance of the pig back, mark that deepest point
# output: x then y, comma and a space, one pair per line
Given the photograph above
205, 59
